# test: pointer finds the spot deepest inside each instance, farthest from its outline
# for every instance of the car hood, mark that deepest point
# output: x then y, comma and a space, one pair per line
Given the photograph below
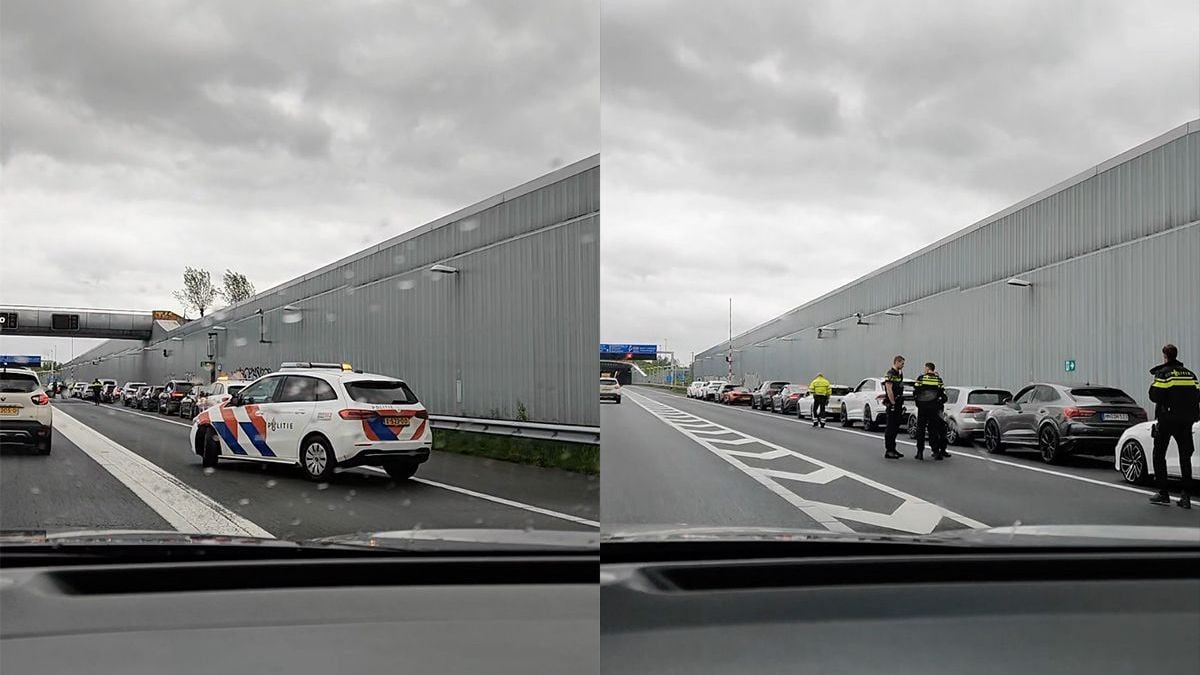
1014, 535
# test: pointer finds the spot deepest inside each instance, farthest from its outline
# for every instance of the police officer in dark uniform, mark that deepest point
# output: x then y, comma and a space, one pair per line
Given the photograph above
929, 394
893, 388
1176, 396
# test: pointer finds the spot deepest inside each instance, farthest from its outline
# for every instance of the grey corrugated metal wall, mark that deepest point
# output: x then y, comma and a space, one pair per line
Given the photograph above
519, 323
1113, 257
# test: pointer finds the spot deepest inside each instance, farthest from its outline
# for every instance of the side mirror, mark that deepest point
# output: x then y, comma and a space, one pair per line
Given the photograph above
235, 401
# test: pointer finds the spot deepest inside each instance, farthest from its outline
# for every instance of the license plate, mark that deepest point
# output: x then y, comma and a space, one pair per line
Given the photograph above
1116, 417
9, 410
396, 421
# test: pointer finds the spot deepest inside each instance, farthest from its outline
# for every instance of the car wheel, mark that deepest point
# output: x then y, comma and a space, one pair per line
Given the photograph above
845, 418
869, 420
317, 460
753, 404
952, 437
400, 470
210, 448
991, 438
1133, 463
1049, 445
618, 400
911, 426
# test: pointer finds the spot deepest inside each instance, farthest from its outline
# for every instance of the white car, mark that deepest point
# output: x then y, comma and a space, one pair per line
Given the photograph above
694, 389
206, 396
79, 390
25, 413
712, 389
129, 390
1135, 447
610, 389
868, 404
320, 416
833, 409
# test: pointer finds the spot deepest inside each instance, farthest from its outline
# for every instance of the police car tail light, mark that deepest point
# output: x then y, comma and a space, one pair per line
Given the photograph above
357, 414
1073, 412
41, 399
421, 414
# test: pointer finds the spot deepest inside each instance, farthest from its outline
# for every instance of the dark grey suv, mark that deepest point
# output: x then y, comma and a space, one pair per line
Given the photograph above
1062, 419
760, 398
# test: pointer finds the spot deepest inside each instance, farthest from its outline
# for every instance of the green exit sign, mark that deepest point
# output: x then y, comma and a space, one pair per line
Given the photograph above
1069, 365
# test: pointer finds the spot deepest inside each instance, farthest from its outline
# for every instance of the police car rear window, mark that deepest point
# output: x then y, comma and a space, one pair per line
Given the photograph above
381, 392
17, 383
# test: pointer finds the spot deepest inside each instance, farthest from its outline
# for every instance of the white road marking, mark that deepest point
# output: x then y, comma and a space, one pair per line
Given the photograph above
493, 498
184, 507
914, 515
969, 453
444, 486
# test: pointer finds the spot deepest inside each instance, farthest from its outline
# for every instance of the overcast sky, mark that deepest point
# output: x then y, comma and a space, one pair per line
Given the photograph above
267, 137
773, 151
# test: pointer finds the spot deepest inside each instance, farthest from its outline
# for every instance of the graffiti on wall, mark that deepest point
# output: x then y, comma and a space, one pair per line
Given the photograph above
245, 372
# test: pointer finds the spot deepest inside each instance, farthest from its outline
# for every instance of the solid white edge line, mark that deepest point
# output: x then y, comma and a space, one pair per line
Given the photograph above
182, 506
139, 413
492, 498
444, 486
966, 452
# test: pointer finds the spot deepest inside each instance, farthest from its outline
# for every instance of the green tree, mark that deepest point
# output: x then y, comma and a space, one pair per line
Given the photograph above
198, 291
236, 287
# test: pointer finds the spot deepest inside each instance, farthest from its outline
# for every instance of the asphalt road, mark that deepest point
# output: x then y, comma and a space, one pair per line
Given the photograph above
70, 489
669, 460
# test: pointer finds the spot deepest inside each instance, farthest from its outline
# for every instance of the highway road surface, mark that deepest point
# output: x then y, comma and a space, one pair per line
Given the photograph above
673, 461
112, 467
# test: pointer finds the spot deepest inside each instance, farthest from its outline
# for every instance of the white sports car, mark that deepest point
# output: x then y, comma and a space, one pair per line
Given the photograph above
1135, 447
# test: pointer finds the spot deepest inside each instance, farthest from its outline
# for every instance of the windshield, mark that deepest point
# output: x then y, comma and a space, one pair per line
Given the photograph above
870, 205
382, 220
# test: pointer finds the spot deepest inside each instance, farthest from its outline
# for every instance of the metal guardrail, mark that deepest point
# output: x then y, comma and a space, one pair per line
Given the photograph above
565, 433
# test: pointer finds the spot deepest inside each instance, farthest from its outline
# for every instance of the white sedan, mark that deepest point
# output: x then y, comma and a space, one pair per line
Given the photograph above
1134, 450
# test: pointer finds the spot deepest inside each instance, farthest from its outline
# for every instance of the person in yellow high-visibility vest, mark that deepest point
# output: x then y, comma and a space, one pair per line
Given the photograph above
820, 389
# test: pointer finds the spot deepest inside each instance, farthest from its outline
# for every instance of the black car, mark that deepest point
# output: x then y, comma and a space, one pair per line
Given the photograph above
1062, 419
149, 399
760, 398
170, 396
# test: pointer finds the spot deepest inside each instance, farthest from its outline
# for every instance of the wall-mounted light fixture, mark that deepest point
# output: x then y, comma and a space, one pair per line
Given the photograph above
893, 312
443, 269
1019, 282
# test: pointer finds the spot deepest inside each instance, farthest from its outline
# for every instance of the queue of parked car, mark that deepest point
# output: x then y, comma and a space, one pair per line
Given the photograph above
1056, 420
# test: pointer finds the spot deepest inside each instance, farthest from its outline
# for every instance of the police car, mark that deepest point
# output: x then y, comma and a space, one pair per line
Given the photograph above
320, 416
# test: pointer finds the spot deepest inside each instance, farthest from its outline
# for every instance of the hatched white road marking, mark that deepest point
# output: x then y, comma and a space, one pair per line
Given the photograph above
914, 515
184, 507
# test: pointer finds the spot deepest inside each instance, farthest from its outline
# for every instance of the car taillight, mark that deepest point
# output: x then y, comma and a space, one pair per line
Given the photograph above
357, 414
421, 414
1140, 414
1074, 413
176, 394
971, 410
793, 397
41, 399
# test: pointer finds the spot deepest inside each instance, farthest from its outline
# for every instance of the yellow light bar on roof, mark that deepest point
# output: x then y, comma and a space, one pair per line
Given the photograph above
347, 367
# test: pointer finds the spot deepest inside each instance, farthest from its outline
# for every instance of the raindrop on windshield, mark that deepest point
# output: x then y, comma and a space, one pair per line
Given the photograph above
399, 259
406, 284
374, 307
406, 502
239, 342
349, 274
353, 492
330, 317
588, 238
35, 490
292, 317
271, 483
295, 521
244, 501
479, 521
469, 224
322, 486
208, 471
349, 290
331, 507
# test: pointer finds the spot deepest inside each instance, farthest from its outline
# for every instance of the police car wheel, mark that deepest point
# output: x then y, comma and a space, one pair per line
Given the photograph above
845, 418
317, 460
210, 448
869, 419
400, 470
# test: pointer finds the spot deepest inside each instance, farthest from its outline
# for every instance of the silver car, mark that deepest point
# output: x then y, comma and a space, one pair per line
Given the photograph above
967, 408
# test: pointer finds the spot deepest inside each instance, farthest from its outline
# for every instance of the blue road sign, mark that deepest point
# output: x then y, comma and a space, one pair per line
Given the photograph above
628, 351
21, 360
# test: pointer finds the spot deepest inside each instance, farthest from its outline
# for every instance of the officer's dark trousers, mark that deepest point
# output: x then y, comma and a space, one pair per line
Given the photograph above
929, 425
1182, 433
892, 428
818, 408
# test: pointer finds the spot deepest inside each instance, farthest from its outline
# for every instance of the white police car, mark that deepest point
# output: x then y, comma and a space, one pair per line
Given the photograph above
320, 416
